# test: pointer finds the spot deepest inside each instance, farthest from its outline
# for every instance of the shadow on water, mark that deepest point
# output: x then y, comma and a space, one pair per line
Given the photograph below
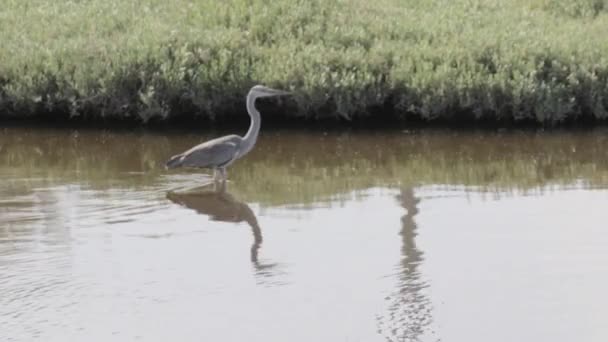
219, 205
409, 309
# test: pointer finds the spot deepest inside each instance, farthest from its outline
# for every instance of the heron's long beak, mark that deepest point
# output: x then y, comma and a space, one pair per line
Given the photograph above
275, 92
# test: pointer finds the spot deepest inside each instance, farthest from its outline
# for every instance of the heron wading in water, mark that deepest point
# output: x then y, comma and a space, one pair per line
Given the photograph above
219, 153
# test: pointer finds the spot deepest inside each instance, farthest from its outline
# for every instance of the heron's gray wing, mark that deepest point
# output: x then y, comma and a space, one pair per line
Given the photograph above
213, 153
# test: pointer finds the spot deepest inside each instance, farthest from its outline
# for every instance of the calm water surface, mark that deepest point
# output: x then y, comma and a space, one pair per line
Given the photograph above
401, 236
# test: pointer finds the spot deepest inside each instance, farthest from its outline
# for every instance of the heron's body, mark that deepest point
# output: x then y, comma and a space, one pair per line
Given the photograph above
218, 153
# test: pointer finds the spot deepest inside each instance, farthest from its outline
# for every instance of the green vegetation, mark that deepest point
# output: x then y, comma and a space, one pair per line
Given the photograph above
516, 60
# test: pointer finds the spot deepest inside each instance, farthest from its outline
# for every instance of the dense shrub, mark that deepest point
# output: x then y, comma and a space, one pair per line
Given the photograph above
542, 60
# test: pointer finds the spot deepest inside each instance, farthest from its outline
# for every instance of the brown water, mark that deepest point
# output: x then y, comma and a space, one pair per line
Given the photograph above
400, 236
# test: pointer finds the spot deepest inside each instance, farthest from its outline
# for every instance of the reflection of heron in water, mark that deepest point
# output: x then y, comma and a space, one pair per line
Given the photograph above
220, 205
409, 311
218, 153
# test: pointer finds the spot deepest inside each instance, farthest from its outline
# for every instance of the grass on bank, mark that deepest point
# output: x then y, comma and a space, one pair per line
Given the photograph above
538, 60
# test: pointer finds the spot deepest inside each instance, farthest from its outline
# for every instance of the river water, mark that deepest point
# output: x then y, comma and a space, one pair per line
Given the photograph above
318, 236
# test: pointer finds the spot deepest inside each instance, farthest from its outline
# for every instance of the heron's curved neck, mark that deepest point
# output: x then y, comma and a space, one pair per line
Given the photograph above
254, 128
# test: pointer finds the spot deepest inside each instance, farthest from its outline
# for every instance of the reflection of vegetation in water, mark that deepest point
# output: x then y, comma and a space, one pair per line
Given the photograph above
449, 59
296, 167
409, 310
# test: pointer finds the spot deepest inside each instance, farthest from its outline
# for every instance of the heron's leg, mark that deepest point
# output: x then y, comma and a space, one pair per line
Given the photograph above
223, 173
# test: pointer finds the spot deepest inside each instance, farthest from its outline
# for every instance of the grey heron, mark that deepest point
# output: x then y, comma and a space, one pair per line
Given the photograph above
219, 153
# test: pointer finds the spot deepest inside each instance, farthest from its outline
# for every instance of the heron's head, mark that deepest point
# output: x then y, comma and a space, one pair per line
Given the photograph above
262, 91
